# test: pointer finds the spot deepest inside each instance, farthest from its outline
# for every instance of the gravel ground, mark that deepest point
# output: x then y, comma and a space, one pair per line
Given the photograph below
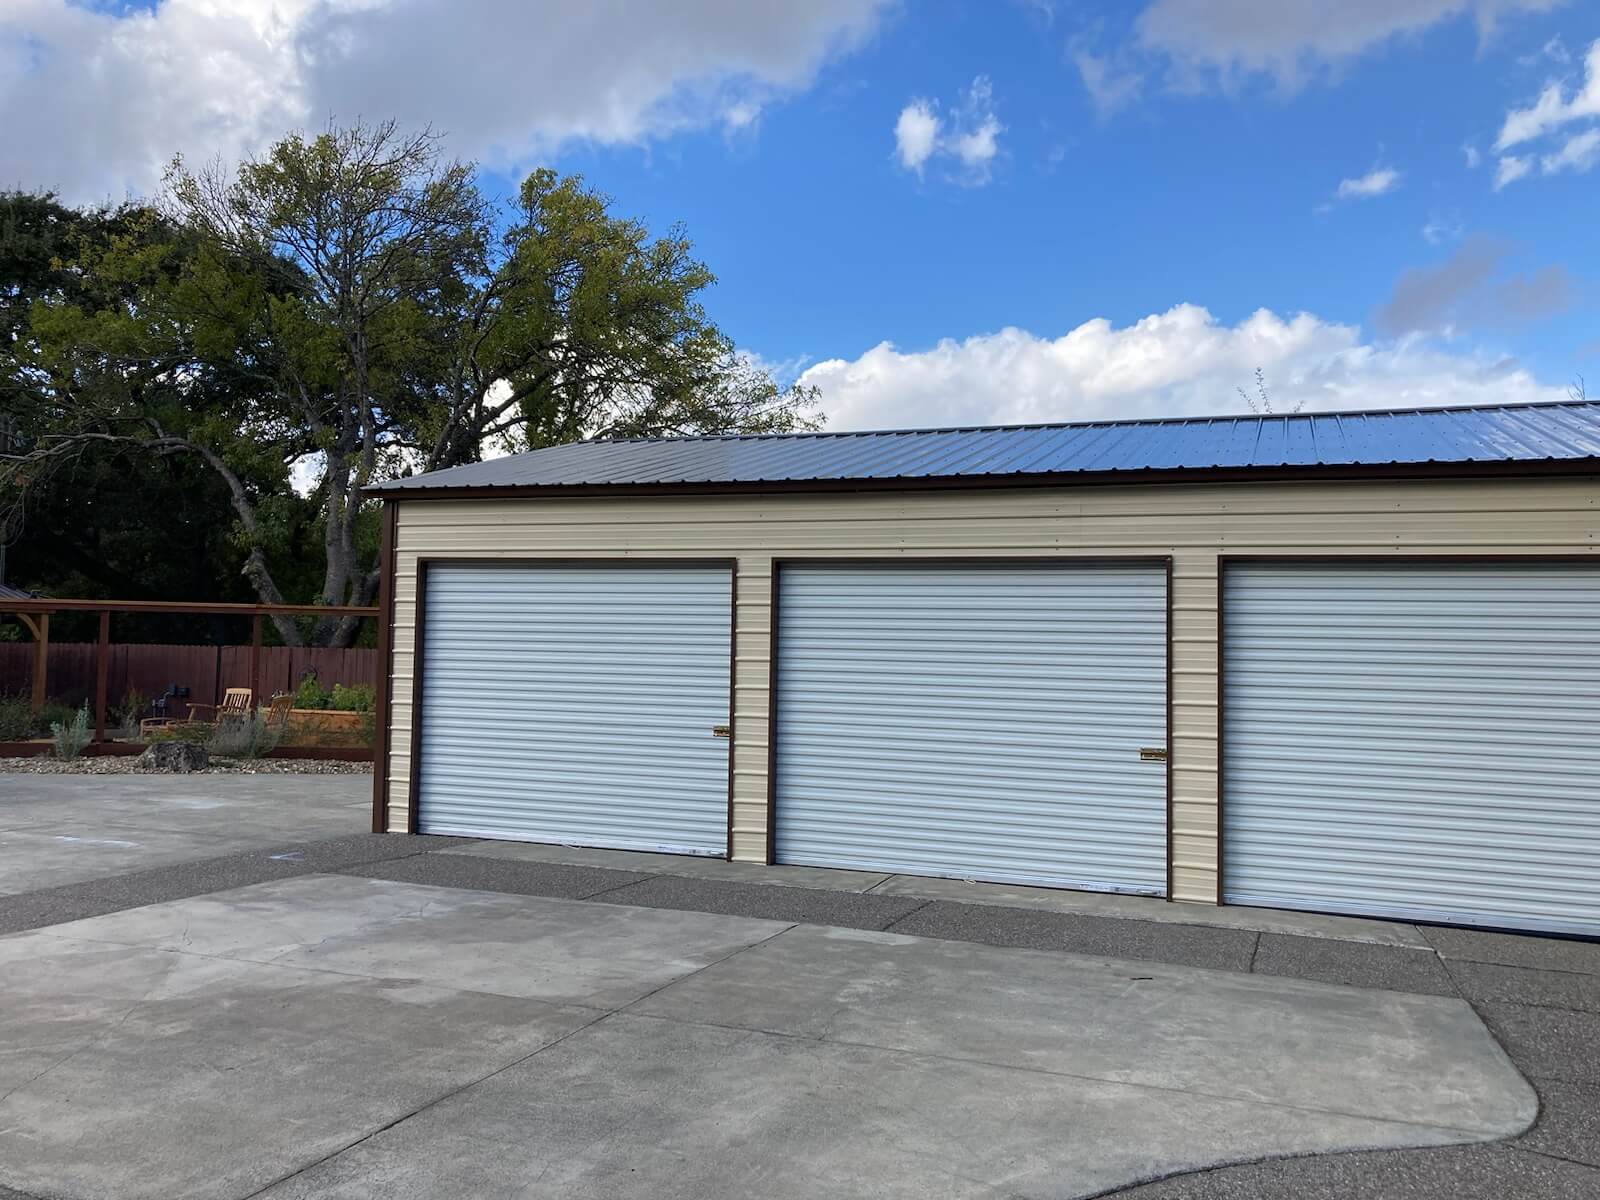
43, 764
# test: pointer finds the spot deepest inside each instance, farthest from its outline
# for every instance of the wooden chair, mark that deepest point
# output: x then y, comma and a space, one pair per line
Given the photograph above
278, 710
236, 704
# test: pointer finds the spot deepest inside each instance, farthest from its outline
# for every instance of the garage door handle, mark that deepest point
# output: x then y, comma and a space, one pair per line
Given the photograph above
1152, 754
722, 731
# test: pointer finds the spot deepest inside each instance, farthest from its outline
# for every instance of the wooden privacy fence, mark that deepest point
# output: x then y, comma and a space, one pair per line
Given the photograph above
205, 670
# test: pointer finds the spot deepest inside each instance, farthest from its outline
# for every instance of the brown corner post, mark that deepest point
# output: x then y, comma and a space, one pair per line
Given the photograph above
102, 673
380, 749
255, 660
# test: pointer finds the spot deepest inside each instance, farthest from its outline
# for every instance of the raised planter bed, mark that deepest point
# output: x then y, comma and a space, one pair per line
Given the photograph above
323, 720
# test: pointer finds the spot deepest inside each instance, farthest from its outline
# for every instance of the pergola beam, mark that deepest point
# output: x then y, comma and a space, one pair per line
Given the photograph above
35, 614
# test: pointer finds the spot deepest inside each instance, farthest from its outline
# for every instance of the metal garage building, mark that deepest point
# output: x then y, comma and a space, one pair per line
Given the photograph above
1339, 662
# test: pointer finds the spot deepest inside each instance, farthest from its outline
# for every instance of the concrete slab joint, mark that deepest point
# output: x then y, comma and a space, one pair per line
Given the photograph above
442, 1041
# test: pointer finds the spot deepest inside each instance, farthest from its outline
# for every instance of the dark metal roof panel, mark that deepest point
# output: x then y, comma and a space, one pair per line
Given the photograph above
1528, 433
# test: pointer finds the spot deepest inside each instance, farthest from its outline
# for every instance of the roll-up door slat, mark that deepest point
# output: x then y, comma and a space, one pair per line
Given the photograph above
1419, 741
979, 722
576, 704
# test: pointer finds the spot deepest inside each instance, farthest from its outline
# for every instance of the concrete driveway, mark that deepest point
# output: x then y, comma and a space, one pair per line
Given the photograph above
390, 1017
61, 829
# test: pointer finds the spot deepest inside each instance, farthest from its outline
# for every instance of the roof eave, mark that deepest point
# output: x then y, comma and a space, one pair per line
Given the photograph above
1498, 468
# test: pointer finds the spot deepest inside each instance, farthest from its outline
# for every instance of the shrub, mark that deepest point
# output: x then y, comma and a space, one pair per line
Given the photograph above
356, 697
54, 712
16, 719
132, 708
244, 737
69, 738
311, 694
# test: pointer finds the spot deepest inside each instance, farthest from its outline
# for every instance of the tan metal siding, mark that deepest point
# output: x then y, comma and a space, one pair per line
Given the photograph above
1193, 523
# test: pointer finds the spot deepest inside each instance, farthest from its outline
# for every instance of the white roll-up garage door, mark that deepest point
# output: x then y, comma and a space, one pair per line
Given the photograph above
1414, 741
577, 704
979, 722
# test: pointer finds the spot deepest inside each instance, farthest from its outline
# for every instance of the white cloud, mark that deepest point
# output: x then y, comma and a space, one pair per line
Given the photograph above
1374, 183
1291, 40
1470, 153
1182, 361
1554, 108
1581, 152
978, 141
111, 96
916, 135
1510, 168
1111, 84
972, 139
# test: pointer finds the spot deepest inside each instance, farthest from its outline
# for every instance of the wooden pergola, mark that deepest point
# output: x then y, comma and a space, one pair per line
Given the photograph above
35, 614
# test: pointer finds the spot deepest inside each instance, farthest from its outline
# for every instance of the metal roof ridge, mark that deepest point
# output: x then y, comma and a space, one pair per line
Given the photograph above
1191, 419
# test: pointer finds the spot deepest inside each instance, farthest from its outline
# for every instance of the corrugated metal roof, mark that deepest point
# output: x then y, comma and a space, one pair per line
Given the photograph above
1511, 434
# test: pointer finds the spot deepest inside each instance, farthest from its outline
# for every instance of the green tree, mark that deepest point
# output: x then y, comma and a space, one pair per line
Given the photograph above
349, 307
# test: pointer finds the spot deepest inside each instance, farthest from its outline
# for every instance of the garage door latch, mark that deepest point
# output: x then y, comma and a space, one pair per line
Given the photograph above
722, 731
1152, 753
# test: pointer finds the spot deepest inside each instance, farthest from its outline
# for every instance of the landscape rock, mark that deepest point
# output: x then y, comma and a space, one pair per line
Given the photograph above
178, 757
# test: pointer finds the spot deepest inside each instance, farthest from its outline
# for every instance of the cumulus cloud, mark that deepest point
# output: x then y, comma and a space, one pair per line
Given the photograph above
110, 96
1472, 290
1182, 361
1291, 40
1374, 183
916, 135
970, 139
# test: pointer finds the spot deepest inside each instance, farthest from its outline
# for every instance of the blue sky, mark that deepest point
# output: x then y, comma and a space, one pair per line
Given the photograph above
1087, 209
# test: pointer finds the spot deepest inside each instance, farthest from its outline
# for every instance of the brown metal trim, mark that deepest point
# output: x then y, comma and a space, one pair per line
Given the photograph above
733, 690
609, 560
1412, 557
1138, 476
1221, 686
1170, 849
528, 560
772, 714
418, 642
915, 559
1364, 558
102, 671
194, 607
380, 748
924, 559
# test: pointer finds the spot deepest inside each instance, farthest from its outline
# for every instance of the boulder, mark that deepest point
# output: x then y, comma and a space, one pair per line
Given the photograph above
179, 757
